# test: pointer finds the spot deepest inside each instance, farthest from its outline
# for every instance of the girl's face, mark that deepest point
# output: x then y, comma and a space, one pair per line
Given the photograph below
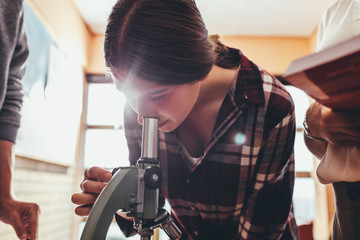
170, 103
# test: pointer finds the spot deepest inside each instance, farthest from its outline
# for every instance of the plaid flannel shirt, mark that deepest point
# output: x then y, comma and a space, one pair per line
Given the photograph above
242, 185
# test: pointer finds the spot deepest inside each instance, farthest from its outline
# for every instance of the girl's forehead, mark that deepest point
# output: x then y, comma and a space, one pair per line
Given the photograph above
138, 87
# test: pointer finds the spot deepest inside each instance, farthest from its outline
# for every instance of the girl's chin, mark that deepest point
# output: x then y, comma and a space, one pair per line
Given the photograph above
166, 127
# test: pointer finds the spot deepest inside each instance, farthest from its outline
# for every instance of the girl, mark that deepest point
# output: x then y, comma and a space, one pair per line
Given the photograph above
226, 125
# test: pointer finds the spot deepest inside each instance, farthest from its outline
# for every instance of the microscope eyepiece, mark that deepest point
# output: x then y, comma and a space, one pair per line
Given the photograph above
150, 134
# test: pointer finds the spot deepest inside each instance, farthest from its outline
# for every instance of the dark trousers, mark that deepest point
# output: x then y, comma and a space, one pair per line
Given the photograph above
346, 224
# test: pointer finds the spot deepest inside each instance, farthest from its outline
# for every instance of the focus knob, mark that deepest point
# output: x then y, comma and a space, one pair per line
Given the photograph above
153, 177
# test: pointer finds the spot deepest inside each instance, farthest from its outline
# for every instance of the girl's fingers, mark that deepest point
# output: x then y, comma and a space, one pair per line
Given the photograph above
98, 174
83, 210
89, 186
84, 198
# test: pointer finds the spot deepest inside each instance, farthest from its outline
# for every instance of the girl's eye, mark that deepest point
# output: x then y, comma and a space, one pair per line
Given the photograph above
158, 98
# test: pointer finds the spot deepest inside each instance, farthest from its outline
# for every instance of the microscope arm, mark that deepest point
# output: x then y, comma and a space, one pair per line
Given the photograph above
134, 190
120, 190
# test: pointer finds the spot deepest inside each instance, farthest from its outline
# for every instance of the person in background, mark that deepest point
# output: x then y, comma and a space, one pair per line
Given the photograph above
227, 126
334, 136
22, 216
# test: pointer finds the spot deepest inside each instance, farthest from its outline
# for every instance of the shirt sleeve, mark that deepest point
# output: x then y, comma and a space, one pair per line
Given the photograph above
10, 110
268, 207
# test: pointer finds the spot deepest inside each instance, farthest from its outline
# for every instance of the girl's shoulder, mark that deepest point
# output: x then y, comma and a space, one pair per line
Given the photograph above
262, 90
256, 85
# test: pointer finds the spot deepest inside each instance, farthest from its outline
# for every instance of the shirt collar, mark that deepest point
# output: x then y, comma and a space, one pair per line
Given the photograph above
248, 86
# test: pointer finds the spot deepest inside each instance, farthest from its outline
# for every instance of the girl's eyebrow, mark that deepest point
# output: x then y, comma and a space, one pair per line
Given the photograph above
157, 92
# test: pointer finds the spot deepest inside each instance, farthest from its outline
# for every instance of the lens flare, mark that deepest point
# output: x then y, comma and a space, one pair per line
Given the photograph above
239, 138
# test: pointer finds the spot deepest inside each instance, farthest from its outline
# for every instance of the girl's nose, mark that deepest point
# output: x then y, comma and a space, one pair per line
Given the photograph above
145, 109
140, 119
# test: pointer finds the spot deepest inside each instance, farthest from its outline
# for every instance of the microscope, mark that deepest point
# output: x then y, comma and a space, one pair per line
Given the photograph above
134, 190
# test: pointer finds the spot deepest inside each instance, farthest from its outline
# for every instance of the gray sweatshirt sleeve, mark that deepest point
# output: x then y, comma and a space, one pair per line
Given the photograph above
13, 55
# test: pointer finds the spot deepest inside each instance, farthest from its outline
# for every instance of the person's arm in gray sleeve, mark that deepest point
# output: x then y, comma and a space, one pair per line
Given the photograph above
12, 86
22, 216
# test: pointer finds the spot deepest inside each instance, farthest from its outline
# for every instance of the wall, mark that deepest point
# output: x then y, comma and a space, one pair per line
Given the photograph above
50, 186
313, 40
272, 53
67, 25
96, 56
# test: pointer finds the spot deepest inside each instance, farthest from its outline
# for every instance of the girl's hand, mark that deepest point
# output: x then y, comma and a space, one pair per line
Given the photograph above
95, 179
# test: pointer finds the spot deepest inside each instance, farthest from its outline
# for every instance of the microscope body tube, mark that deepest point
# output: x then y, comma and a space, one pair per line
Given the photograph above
147, 197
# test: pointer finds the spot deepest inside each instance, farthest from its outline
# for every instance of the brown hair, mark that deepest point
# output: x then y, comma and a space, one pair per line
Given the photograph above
226, 57
163, 41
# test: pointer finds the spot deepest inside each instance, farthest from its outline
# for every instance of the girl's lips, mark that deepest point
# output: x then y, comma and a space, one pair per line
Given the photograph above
162, 124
